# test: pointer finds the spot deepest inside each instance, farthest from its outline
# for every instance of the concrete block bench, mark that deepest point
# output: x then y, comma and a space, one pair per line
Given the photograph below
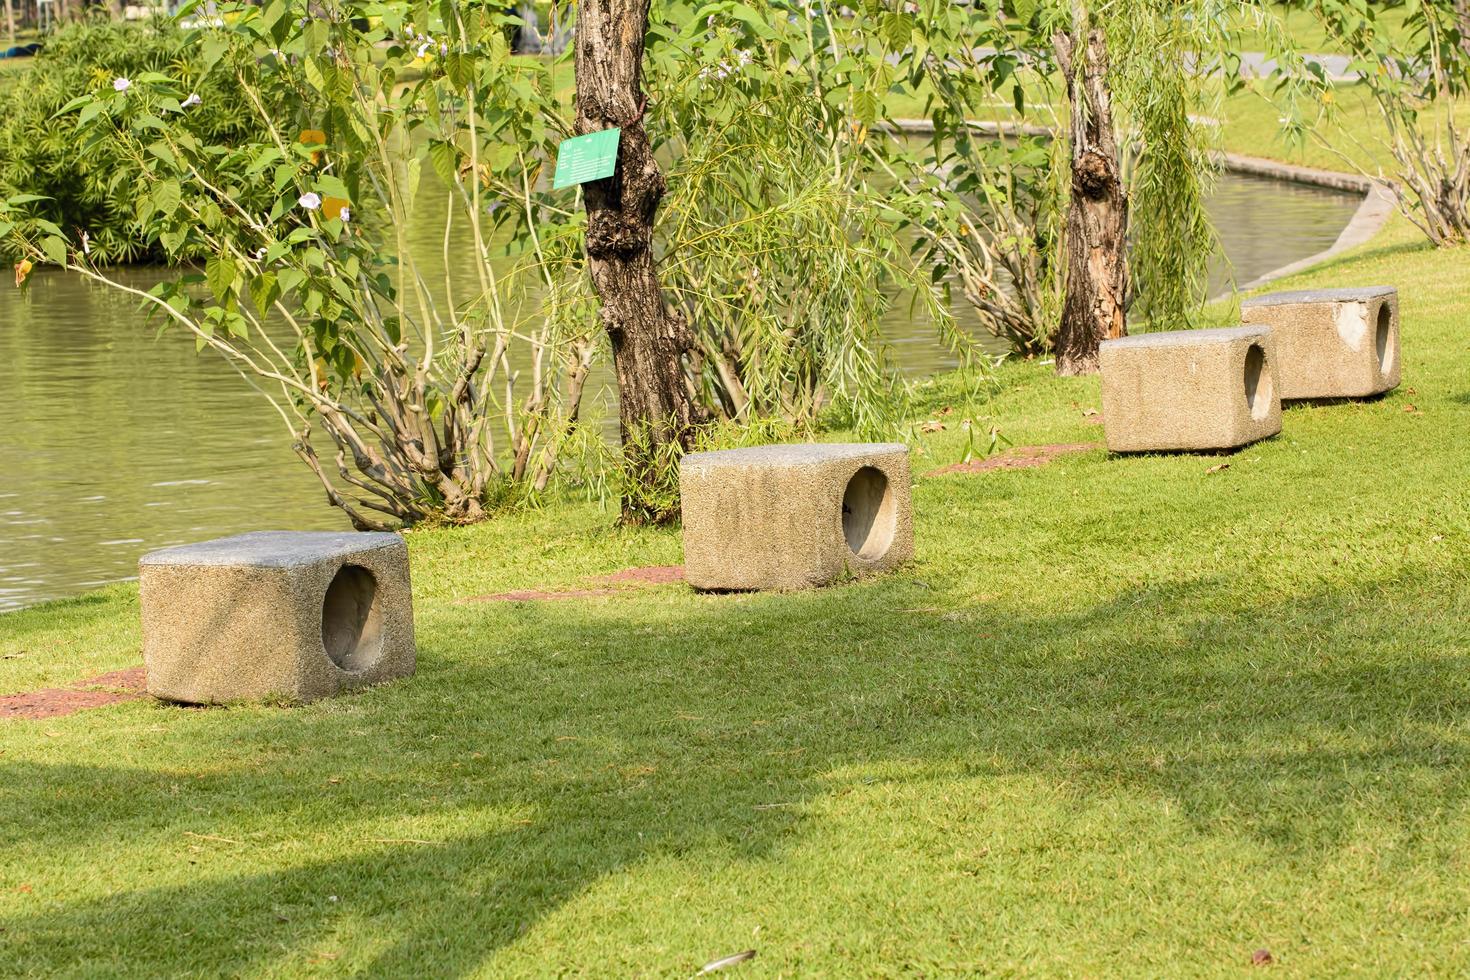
794, 517
1332, 343
296, 615
1190, 390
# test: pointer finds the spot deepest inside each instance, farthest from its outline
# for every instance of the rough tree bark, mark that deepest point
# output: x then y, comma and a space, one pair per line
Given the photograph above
649, 340
1095, 306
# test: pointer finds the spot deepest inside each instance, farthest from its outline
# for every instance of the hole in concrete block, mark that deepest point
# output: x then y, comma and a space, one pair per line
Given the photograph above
352, 625
1259, 392
1383, 338
869, 514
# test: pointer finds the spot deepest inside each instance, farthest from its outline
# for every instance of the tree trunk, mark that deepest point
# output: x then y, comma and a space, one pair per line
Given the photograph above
1095, 307
10, 20
649, 340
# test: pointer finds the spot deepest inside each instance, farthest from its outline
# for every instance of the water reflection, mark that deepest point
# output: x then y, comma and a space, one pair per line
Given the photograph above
114, 442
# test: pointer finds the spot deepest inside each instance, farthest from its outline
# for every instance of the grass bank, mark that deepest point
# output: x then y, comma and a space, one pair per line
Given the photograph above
1120, 716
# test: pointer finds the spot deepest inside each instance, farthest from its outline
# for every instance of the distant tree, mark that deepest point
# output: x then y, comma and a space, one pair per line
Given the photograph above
1135, 77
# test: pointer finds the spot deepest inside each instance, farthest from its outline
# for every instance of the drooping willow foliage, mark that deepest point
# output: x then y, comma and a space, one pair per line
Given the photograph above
781, 237
1163, 57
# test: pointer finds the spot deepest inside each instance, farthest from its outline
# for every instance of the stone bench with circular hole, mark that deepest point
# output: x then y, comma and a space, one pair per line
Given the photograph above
1189, 390
276, 614
1332, 343
794, 517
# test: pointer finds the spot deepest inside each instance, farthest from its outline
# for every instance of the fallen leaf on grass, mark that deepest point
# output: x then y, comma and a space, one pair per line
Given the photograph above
726, 961
1262, 957
1410, 409
932, 426
1218, 467
333, 781
13, 656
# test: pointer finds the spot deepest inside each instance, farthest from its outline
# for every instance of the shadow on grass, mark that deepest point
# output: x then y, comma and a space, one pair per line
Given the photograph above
565, 744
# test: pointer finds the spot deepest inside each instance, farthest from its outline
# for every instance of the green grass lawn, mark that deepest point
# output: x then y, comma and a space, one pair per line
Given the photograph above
1121, 716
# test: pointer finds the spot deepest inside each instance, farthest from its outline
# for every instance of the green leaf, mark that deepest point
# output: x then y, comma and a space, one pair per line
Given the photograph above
220, 271
264, 292
166, 197
55, 249
445, 160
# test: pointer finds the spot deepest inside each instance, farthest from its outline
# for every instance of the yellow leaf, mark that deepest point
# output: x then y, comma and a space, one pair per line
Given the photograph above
22, 269
332, 207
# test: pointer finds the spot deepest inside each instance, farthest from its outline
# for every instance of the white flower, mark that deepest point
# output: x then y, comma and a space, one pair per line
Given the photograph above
121, 84
422, 48
346, 215
310, 200
192, 100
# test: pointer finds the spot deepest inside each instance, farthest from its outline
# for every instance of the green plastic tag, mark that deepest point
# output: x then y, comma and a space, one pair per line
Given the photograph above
584, 158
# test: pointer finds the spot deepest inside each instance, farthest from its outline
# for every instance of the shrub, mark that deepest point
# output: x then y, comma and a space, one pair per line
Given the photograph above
91, 187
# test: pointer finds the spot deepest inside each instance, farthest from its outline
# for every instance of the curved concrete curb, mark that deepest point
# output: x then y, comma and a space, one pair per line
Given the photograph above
1379, 198
1259, 167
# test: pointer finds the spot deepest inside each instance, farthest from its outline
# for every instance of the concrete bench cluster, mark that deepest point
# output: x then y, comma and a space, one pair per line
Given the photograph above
301, 616
1204, 390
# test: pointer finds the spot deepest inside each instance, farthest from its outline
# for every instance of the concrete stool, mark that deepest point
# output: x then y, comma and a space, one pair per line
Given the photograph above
1332, 343
794, 517
1189, 390
299, 615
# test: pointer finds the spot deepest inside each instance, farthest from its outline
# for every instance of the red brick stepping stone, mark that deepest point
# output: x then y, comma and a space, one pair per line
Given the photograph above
95, 692
647, 575
1019, 458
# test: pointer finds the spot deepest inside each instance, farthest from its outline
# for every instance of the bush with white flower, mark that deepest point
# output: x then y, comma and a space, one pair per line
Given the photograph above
428, 403
88, 186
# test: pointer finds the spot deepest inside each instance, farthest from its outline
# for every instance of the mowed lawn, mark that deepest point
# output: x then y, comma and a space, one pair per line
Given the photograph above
1121, 716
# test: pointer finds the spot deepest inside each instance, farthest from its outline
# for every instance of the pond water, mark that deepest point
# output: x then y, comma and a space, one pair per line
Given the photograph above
114, 442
